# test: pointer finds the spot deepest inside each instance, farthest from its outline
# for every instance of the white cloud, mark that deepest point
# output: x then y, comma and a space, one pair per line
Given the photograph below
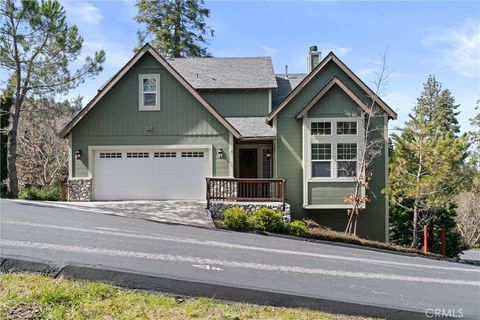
269, 51
83, 12
459, 47
326, 47
116, 55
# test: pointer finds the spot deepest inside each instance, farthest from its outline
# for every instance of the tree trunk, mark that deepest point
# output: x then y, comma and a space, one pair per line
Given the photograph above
415, 225
12, 148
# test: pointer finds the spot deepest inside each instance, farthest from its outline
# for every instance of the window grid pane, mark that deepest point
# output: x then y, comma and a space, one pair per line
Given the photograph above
149, 85
321, 169
346, 168
321, 128
346, 151
346, 127
321, 151
149, 99
266, 164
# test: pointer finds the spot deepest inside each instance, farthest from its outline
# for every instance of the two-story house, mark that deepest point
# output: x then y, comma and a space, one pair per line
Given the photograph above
231, 130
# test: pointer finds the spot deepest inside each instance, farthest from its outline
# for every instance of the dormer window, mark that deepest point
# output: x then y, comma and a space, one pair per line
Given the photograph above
149, 92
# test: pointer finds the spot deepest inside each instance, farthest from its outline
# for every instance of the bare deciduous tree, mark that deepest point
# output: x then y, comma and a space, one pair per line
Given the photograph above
42, 154
468, 217
370, 149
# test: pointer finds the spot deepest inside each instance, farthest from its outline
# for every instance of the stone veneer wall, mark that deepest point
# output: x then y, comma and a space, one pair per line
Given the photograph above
218, 207
79, 189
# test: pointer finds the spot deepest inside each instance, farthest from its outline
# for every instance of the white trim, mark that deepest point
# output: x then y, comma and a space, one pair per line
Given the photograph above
141, 102
333, 140
92, 149
305, 155
70, 157
327, 206
230, 156
269, 100
387, 205
275, 147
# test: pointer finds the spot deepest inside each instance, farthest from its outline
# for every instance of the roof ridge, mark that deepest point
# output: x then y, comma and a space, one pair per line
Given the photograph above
218, 58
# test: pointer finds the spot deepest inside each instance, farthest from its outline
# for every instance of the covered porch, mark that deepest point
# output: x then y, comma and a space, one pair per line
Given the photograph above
253, 167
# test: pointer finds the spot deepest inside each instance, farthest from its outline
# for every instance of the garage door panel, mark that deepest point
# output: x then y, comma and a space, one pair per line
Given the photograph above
158, 174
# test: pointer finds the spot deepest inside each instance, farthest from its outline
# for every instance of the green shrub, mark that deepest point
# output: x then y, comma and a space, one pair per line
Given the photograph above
265, 219
235, 218
297, 228
39, 193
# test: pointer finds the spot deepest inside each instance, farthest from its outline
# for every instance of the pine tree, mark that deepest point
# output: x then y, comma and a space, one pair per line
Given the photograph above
176, 28
437, 105
37, 48
426, 166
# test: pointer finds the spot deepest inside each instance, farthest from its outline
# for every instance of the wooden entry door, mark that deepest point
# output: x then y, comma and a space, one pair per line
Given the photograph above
248, 163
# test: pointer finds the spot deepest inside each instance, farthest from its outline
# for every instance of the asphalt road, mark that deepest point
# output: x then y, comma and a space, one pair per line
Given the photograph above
344, 275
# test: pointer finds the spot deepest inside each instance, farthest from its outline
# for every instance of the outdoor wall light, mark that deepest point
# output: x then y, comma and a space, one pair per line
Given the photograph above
221, 154
268, 155
78, 154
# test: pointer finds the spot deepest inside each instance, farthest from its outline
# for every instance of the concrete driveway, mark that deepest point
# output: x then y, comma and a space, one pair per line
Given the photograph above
186, 212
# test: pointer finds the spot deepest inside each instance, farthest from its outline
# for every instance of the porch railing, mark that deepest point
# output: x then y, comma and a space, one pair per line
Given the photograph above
248, 190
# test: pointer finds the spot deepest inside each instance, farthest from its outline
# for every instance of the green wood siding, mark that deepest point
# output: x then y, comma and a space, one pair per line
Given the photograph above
116, 119
236, 103
374, 219
329, 193
334, 103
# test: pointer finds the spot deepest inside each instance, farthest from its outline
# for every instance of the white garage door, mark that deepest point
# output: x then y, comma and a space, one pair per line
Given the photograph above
149, 175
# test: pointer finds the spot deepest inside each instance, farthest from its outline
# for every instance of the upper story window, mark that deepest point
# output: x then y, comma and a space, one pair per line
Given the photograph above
149, 93
334, 145
321, 128
346, 127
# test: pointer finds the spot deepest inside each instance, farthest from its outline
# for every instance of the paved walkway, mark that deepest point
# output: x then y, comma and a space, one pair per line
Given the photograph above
184, 212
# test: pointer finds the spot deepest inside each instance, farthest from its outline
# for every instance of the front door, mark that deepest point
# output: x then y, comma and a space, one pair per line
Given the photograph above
248, 163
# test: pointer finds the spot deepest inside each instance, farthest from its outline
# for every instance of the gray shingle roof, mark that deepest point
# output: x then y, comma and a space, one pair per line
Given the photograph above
227, 73
285, 86
252, 127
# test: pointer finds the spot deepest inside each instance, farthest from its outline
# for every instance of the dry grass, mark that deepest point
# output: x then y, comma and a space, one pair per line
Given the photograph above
33, 296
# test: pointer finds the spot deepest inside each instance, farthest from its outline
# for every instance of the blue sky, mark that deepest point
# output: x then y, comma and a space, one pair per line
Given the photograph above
441, 38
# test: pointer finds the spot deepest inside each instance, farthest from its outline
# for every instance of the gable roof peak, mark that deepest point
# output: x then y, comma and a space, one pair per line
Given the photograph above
332, 57
121, 73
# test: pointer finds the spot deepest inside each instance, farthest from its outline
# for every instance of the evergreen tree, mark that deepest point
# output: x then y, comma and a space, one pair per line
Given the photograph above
426, 166
37, 47
6, 103
176, 28
437, 105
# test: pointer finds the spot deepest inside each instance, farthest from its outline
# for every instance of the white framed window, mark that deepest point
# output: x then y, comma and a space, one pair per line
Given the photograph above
321, 128
332, 146
149, 92
346, 127
346, 159
321, 160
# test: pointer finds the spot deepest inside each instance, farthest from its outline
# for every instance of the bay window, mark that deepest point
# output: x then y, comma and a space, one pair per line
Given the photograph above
333, 146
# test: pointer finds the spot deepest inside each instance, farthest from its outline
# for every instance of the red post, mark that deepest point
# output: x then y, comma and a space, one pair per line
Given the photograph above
444, 241
425, 239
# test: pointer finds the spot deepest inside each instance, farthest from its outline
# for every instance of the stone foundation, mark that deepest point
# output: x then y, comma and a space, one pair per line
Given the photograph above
79, 189
218, 207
